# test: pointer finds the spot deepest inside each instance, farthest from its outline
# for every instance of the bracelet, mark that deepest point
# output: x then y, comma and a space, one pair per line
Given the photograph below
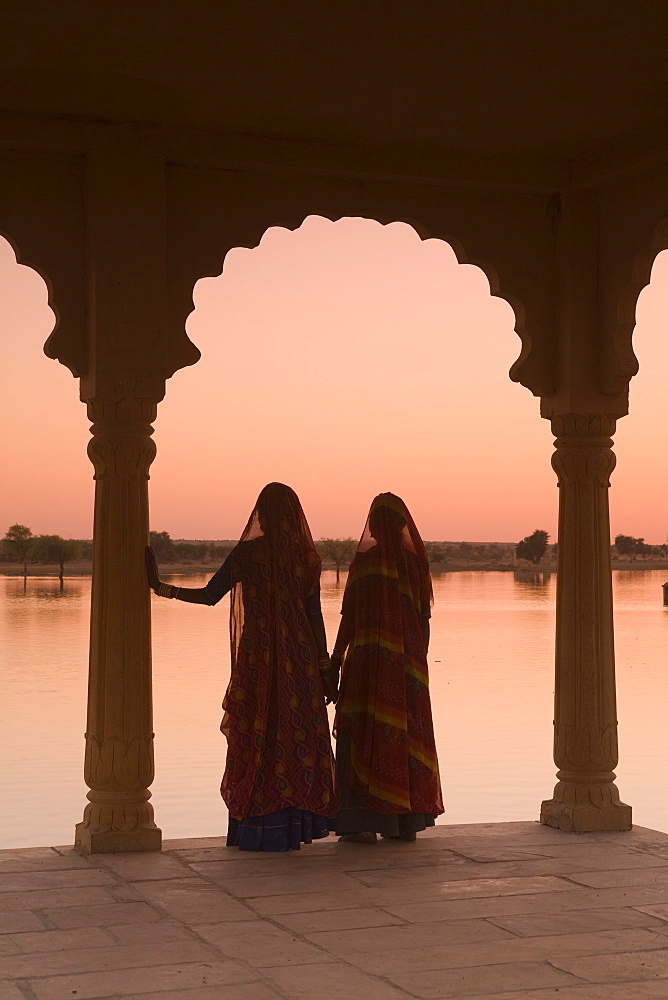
324, 663
166, 590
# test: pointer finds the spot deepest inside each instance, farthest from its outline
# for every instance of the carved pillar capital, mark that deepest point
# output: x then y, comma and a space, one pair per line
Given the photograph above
118, 763
121, 445
585, 721
583, 446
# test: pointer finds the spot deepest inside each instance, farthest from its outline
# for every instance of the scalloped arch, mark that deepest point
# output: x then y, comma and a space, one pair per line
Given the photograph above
624, 364
25, 262
293, 223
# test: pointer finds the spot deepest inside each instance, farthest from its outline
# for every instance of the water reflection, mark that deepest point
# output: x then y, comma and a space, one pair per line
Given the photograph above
491, 682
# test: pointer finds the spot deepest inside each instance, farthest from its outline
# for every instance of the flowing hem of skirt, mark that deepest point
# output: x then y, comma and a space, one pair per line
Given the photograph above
283, 830
354, 817
357, 819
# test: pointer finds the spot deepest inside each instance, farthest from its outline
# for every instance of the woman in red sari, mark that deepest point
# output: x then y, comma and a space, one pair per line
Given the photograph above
386, 762
278, 780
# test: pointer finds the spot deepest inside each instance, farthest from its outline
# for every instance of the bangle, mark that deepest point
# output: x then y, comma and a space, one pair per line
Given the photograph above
324, 663
166, 590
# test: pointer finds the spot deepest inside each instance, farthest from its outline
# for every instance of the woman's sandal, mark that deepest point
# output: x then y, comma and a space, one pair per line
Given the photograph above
359, 838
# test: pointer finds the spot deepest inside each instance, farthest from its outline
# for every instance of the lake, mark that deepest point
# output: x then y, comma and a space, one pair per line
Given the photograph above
491, 670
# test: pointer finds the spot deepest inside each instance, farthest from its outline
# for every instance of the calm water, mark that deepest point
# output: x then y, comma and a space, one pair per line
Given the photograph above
491, 682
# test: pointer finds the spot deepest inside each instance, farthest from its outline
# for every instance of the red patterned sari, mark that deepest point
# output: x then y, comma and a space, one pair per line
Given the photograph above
279, 753
383, 712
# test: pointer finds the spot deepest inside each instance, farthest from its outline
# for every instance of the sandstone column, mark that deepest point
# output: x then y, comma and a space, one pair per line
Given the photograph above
118, 766
585, 723
126, 268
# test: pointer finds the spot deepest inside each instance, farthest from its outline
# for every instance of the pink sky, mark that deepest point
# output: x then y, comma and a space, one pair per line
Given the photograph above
345, 359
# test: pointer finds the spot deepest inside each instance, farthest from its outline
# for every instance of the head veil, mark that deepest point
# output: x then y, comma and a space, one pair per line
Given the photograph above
384, 707
390, 536
284, 559
275, 720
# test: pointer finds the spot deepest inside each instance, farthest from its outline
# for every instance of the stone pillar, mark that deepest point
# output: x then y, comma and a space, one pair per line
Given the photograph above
118, 765
585, 798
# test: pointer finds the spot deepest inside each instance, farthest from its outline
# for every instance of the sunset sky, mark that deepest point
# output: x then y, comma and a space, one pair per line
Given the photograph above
345, 359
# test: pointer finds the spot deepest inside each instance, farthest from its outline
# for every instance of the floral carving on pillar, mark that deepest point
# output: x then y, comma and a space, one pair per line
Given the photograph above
585, 725
118, 764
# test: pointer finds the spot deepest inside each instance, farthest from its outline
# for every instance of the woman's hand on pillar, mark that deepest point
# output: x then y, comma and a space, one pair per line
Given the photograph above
151, 568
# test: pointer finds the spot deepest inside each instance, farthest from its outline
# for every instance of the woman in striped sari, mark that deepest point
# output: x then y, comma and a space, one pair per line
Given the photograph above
386, 764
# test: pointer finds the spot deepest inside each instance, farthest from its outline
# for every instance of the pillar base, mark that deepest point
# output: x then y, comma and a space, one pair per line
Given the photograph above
581, 810
89, 841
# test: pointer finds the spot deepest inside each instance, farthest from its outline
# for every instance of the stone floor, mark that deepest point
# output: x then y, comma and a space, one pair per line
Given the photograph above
503, 910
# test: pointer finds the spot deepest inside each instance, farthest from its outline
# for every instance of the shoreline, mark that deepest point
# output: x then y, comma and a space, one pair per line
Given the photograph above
437, 569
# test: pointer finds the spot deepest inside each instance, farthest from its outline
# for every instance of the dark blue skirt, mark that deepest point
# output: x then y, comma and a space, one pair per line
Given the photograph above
283, 830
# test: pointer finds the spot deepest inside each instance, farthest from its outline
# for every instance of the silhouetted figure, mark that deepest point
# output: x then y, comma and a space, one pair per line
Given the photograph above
387, 770
278, 780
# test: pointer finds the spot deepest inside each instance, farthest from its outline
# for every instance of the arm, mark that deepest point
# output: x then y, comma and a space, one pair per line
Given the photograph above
209, 595
314, 613
343, 639
330, 675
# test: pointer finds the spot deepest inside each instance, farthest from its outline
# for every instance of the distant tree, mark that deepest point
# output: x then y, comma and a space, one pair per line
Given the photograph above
190, 551
16, 544
219, 553
533, 547
338, 550
86, 550
435, 552
465, 550
163, 546
627, 545
54, 549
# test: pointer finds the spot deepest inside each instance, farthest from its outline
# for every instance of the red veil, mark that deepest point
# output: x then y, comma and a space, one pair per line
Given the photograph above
279, 751
384, 706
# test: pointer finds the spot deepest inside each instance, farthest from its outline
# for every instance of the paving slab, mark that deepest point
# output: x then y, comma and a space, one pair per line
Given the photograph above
9, 991
244, 991
102, 915
410, 936
332, 982
140, 867
458, 983
603, 878
39, 863
577, 922
337, 920
261, 945
193, 900
24, 881
159, 932
73, 960
150, 979
17, 920
625, 991
408, 892
82, 937
620, 966
537, 902
500, 953
44, 899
